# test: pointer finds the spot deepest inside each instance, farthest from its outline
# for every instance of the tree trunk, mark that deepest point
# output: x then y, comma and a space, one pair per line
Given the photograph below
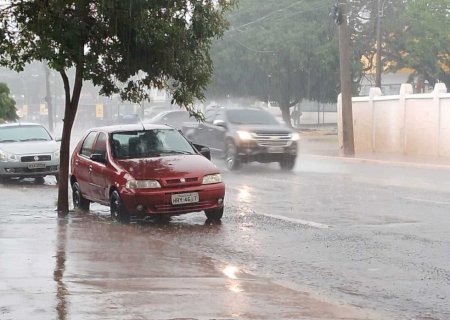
70, 112
285, 113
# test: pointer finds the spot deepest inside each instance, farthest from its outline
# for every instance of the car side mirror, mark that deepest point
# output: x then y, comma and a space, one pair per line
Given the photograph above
204, 151
58, 139
220, 123
97, 157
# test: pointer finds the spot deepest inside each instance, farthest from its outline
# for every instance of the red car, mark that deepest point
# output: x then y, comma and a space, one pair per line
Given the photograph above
145, 170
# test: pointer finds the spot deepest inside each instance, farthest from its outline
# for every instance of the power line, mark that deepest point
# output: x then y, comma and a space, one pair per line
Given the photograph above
289, 15
264, 17
250, 49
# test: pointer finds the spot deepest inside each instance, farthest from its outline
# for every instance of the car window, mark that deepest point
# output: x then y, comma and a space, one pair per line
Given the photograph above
100, 144
248, 116
149, 143
210, 114
87, 147
24, 133
220, 115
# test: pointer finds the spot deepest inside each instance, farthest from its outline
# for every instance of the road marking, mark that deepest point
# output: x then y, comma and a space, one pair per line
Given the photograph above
396, 163
428, 201
298, 221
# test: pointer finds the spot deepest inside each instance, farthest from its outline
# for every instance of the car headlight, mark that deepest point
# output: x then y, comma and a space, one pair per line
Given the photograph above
56, 154
142, 184
295, 136
212, 178
6, 156
244, 135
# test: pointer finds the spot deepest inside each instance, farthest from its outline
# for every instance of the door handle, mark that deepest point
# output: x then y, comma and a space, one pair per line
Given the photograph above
90, 169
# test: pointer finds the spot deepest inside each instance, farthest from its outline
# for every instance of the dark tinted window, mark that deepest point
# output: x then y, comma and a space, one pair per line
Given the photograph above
87, 147
100, 145
149, 143
250, 116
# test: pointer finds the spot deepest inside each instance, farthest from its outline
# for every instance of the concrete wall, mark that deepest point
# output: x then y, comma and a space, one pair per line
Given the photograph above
410, 124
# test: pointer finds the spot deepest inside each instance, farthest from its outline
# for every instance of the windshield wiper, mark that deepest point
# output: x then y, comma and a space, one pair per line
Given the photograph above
34, 139
9, 140
176, 152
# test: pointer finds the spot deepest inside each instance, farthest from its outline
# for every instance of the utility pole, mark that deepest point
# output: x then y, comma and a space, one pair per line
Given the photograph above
48, 98
340, 15
378, 69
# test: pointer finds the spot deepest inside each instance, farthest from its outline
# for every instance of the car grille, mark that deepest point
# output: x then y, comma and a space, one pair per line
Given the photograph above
45, 157
176, 182
273, 139
169, 208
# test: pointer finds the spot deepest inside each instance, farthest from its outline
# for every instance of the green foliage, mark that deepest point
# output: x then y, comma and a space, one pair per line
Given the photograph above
415, 35
7, 105
122, 46
284, 51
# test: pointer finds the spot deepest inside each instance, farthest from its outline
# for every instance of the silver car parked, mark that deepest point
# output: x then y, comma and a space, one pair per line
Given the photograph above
27, 150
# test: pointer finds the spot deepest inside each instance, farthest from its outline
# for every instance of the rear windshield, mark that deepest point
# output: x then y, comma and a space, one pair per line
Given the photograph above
149, 143
246, 116
24, 133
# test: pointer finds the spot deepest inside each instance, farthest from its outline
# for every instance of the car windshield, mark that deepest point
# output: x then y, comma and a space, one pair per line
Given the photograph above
149, 143
24, 133
247, 116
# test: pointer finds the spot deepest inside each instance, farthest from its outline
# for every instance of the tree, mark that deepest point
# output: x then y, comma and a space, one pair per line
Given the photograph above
7, 105
414, 34
122, 46
283, 51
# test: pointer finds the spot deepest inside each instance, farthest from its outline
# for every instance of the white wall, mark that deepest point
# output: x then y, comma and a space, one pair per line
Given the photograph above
411, 124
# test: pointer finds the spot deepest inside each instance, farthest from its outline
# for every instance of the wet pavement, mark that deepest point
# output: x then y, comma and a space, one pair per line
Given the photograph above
334, 239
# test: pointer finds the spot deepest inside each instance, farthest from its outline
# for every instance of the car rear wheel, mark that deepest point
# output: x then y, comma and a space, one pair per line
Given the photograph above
231, 159
117, 208
214, 214
79, 202
287, 163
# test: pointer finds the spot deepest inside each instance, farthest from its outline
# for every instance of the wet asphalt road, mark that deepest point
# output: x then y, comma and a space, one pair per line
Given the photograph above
370, 239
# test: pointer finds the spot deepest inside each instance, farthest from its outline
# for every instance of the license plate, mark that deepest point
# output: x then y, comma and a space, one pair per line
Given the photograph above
275, 149
36, 165
182, 198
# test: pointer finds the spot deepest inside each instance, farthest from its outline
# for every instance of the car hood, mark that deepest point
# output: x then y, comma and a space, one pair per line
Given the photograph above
31, 147
263, 128
168, 167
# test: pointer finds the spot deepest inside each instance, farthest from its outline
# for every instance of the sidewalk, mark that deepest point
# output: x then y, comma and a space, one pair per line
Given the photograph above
322, 140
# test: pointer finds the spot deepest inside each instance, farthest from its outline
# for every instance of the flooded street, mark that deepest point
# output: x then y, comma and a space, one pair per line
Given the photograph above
334, 239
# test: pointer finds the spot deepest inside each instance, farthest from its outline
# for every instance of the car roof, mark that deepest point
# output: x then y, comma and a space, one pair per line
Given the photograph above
131, 127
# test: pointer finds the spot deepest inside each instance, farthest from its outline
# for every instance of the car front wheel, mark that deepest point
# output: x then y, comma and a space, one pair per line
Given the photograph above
231, 159
214, 214
117, 208
287, 163
79, 202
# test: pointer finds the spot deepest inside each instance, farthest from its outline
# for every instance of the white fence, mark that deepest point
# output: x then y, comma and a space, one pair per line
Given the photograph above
410, 124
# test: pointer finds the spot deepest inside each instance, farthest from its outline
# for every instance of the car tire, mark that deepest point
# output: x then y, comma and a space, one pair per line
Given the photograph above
39, 180
79, 202
287, 163
214, 214
231, 158
117, 208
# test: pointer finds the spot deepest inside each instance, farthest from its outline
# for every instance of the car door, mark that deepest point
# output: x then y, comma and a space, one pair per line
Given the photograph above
216, 133
98, 170
83, 165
